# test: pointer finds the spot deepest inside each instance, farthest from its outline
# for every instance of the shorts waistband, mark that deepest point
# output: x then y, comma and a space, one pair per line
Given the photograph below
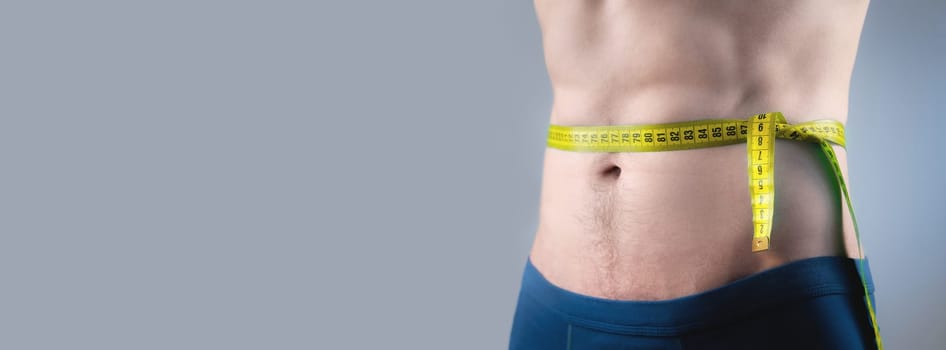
793, 281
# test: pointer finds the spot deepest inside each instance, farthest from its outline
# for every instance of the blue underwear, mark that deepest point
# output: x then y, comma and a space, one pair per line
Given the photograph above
813, 303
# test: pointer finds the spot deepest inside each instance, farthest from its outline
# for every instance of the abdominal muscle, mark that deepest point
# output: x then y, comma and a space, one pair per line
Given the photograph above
661, 225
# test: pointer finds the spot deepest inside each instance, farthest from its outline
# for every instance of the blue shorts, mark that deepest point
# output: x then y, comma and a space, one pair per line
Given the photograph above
813, 303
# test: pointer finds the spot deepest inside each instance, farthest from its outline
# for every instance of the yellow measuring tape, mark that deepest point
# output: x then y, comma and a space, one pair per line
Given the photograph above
759, 132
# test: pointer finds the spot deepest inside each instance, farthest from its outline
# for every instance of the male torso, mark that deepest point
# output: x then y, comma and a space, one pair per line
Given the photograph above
659, 225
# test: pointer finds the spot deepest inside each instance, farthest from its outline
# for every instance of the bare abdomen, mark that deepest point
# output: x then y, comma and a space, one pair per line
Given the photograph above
650, 226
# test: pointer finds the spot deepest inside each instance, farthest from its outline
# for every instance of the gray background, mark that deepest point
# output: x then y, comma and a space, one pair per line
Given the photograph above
322, 175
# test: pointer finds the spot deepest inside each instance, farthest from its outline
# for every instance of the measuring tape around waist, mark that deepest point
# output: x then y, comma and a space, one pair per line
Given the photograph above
758, 131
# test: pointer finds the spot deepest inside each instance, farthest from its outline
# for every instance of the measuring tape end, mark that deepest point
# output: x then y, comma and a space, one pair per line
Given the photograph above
760, 244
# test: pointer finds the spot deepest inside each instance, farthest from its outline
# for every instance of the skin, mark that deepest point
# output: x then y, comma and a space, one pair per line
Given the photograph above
661, 225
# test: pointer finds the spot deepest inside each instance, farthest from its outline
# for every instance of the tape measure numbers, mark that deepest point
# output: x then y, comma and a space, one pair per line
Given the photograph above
758, 132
